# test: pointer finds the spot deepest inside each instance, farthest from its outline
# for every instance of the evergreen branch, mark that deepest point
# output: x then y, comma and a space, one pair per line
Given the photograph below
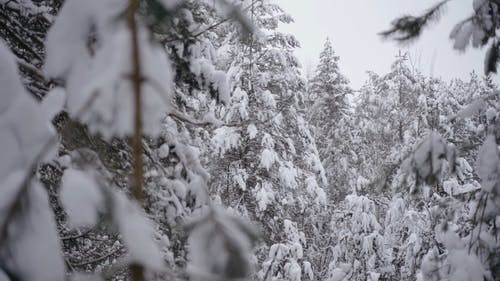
184, 118
194, 36
410, 27
16, 204
20, 26
174, 114
20, 41
30, 172
32, 69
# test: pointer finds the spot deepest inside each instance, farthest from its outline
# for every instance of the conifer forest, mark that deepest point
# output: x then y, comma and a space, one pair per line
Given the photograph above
182, 140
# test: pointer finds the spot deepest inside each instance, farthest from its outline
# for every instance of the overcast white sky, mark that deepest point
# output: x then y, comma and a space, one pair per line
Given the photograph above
352, 26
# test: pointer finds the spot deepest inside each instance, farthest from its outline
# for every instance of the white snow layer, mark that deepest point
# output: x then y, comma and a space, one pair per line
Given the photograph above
267, 158
81, 198
25, 125
489, 164
225, 138
137, 233
32, 237
99, 87
264, 196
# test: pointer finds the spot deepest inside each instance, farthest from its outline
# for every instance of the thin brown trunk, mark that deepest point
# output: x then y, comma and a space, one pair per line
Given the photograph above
136, 81
401, 131
136, 271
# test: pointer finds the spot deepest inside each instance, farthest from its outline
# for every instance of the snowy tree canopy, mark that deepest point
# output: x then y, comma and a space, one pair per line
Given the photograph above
180, 140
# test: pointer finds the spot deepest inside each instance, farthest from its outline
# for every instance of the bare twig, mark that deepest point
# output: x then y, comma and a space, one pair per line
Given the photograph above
29, 67
79, 235
184, 118
97, 259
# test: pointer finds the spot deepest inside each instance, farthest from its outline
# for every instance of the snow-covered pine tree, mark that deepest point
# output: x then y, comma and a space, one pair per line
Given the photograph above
265, 163
358, 249
95, 29
452, 193
328, 84
408, 224
331, 121
386, 115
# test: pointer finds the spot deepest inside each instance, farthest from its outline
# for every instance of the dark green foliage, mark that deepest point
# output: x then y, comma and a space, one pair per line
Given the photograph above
410, 27
492, 58
482, 27
24, 32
